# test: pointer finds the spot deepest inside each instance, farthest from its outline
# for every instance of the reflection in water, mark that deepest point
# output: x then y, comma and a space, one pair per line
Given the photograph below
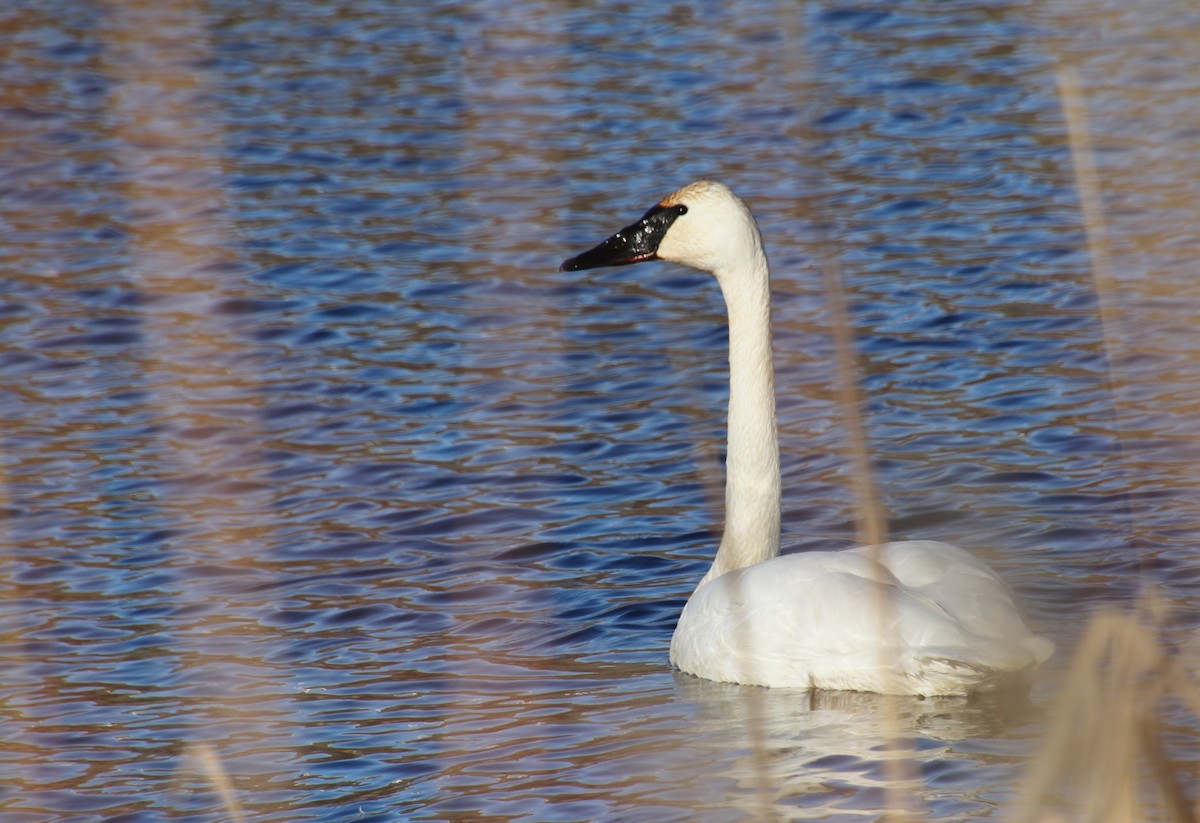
312, 462
803, 750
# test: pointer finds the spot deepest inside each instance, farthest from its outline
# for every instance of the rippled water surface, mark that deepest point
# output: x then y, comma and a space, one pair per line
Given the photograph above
326, 497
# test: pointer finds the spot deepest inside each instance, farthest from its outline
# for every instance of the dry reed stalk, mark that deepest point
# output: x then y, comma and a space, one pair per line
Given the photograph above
869, 516
1095, 224
210, 766
169, 148
1105, 737
870, 519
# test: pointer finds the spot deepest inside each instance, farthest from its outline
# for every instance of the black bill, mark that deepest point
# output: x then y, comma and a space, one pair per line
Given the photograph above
632, 244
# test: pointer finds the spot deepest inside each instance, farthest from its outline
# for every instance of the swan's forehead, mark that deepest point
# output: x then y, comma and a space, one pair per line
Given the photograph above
692, 192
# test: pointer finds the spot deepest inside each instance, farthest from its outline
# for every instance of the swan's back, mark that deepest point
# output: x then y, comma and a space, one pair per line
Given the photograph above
928, 618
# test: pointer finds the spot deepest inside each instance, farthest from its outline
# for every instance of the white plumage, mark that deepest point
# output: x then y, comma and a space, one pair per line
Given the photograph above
915, 617
928, 618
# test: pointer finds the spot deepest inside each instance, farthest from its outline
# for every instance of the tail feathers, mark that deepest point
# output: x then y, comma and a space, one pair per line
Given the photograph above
946, 676
957, 675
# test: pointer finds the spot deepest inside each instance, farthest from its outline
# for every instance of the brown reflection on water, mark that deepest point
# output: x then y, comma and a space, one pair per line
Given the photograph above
168, 142
1130, 80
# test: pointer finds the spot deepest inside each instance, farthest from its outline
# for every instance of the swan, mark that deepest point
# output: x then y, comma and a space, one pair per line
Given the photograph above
916, 617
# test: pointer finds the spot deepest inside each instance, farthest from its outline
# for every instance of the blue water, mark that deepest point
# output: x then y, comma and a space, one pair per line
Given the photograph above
327, 497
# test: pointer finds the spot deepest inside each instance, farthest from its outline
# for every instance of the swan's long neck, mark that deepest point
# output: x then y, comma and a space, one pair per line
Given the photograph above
752, 483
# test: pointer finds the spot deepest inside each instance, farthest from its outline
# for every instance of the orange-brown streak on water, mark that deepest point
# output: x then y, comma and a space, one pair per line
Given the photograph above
170, 142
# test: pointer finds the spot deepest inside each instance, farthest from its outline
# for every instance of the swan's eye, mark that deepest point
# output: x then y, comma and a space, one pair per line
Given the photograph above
681, 209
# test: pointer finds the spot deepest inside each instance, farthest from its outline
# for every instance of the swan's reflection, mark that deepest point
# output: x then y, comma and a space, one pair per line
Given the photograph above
807, 747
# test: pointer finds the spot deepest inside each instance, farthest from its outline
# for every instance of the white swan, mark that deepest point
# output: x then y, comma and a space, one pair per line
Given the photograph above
914, 617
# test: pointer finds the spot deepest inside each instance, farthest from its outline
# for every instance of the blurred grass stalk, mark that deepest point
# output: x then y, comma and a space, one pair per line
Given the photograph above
169, 140
871, 523
1104, 757
208, 763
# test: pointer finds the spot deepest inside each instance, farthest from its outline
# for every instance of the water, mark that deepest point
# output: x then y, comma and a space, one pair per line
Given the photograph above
327, 497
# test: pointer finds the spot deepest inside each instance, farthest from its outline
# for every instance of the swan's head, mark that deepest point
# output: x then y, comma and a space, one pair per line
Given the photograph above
703, 225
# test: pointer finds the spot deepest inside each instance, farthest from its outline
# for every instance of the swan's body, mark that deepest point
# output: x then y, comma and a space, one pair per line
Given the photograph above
927, 618
915, 617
